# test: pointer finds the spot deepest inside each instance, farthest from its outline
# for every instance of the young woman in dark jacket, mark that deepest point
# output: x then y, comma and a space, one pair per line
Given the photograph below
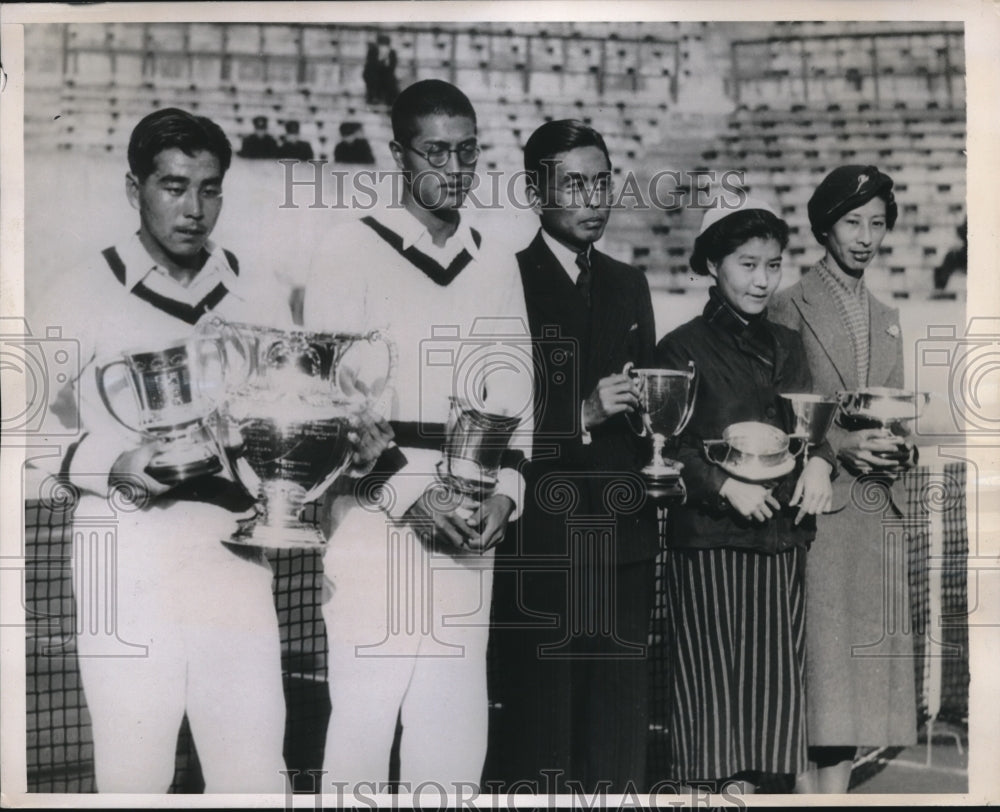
737, 548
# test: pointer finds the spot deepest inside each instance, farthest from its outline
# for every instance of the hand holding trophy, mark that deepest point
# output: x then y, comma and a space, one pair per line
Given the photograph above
175, 393
882, 412
666, 402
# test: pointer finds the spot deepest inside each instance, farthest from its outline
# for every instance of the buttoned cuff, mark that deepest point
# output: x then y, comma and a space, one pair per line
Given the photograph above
585, 437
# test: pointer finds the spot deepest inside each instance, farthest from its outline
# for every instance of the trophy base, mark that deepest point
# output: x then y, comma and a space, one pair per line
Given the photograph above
253, 533
664, 483
666, 489
173, 473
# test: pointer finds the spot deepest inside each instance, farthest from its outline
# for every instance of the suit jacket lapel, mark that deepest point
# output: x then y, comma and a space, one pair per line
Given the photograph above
550, 295
820, 315
882, 347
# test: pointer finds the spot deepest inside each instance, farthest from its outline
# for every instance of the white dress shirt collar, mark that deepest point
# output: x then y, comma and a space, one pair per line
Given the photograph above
415, 234
141, 267
565, 256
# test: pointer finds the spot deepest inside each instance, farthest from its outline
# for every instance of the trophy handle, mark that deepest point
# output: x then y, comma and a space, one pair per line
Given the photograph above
101, 373
644, 429
711, 444
803, 443
692, 397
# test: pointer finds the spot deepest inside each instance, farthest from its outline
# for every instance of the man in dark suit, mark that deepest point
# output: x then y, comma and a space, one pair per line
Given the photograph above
573, 606
260, 143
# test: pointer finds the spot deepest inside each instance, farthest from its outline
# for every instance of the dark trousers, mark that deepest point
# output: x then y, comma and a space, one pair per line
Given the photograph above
571, 675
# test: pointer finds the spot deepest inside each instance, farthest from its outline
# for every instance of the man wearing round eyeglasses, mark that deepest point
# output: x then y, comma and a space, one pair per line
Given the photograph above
408, 620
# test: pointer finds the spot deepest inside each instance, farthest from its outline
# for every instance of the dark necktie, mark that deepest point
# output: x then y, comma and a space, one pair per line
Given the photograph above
583, 280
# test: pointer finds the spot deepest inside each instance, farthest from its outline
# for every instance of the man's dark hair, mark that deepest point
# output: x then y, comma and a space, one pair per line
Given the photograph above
427, 98
554, 137
722, 238
169, 128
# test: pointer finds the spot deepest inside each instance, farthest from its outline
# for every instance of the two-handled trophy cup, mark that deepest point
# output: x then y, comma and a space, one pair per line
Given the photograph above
294, 396
814, 415
666, 401
753, 452
474, 445
888, 409
176, 392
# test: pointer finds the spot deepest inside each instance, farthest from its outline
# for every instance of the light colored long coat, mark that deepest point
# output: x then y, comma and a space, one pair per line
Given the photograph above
859, 646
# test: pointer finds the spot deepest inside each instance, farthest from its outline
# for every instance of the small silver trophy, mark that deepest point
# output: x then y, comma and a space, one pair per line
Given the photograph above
294, 396
666, 398
814, 415
175, 392
883, 408
474, 444
754, 452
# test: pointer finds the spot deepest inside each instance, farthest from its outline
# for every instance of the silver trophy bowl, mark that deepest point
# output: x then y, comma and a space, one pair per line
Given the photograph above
883, 408
666, 403
175, 392
755, 452
294, 396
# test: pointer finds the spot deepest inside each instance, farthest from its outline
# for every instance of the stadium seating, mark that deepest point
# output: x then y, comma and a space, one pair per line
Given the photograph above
793, 100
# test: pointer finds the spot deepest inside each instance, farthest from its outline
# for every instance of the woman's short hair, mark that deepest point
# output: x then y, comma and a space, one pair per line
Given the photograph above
173, 128
428, 97
724, 236
845, 189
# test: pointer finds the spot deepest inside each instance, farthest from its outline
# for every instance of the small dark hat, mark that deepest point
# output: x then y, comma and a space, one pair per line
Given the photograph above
844, 189
259, 122
349, 128
292, 127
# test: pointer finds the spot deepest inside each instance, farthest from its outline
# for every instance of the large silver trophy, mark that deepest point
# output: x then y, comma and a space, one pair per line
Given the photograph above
814, 415
294, 396
474, 444
666, 399
884, 408
175, 393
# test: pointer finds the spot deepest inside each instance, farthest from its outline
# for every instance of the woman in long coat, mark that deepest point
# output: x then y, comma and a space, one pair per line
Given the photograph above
737, 548
860, 676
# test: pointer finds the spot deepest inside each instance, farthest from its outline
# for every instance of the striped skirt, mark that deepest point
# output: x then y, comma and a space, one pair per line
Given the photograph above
736, 683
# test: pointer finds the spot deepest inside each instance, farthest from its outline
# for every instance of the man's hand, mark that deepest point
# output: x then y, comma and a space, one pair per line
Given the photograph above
491, 520
857, 447
612, 395
370, 436
813, 492
750, 501
437, 510
130, 468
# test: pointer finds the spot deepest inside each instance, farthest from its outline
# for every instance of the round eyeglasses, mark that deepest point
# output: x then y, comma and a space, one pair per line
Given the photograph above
437, 157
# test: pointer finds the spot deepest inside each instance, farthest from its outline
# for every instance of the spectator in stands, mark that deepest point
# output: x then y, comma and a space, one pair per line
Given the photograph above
957, 259
853, 342
379, 73
414, 270
576, 694
193, 629
737, 548
292, 146
260, 143
353, 147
